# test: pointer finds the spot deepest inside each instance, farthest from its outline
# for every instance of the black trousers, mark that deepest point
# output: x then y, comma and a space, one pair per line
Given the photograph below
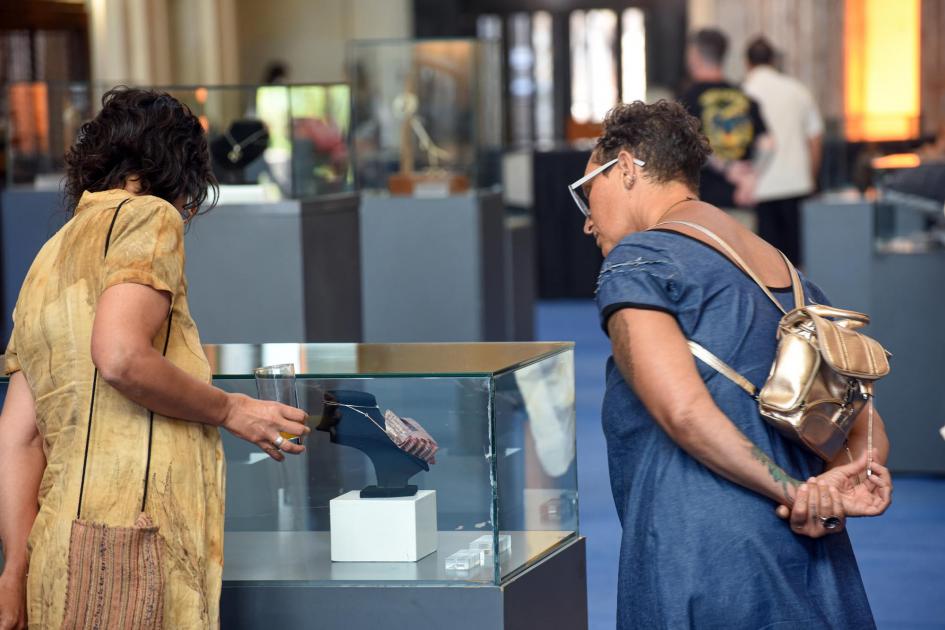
779, 223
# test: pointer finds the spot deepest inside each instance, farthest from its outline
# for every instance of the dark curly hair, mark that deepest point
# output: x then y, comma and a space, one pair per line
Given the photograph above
146, 134
663, 134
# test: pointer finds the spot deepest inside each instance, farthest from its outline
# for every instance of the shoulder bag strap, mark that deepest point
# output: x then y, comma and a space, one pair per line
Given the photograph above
88, 434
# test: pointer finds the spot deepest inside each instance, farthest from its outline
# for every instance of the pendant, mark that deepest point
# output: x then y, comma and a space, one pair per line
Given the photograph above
234, 154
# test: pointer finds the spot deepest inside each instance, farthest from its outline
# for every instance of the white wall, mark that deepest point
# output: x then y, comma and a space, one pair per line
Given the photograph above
312, 35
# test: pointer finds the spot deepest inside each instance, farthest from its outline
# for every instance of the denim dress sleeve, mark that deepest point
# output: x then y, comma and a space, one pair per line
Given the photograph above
644, 276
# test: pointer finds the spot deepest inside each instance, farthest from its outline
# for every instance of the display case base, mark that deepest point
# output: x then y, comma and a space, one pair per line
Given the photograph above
552, 593
395, 529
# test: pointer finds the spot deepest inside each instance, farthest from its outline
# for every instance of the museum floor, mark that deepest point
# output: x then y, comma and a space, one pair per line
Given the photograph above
901, 555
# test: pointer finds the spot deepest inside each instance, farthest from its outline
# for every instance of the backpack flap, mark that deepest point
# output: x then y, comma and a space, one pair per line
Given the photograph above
849, 352
795, 367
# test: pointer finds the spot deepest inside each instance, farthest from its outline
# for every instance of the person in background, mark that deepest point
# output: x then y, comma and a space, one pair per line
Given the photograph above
730, 120
792, 118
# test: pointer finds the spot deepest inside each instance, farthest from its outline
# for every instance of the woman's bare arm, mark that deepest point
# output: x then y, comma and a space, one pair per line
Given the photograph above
127, 319
22, 463
655, 360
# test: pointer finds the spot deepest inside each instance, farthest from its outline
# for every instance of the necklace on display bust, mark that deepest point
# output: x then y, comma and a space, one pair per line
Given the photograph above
673, 205
236, 148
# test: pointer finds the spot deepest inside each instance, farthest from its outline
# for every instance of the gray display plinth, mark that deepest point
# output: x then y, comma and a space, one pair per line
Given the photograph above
552, 593
903, 296
434, 270
521, 277
29, 218
285, 271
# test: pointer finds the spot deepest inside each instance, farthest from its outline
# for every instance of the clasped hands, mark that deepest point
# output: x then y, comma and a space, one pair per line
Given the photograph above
842, 492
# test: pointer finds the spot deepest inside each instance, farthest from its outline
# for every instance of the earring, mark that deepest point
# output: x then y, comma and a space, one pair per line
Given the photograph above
628, 182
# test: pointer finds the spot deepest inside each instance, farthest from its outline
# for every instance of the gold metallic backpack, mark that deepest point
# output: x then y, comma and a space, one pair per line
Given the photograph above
823, 370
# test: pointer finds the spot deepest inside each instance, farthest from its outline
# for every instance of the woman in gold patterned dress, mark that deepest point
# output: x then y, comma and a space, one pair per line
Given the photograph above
80, 310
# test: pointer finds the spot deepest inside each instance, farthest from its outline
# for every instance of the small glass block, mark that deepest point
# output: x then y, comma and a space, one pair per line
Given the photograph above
484, 543
464, 560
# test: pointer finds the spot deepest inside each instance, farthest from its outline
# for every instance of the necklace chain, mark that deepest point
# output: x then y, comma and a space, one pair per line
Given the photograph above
356, 409
673, 205
236, 150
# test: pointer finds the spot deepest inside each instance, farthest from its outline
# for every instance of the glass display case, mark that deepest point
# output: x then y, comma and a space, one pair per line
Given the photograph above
909, 211
427, 115
504, 475
290, 139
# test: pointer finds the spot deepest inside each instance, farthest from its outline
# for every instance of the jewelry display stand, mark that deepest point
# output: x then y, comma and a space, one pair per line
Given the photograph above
398, 529
238, 147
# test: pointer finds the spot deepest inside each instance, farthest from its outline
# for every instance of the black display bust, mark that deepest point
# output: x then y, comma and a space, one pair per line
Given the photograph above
243, 142
345, 419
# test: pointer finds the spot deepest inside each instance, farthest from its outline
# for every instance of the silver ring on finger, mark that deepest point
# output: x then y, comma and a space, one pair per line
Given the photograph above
278, 441
830, 522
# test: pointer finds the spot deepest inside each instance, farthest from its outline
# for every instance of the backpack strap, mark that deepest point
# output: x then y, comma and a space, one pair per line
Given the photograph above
797, 288
739, 262
723, 368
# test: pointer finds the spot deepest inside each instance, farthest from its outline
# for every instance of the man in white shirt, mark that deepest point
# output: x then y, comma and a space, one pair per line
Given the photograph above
792, 118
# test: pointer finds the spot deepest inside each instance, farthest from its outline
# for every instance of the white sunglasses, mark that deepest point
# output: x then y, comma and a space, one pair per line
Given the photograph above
577, 188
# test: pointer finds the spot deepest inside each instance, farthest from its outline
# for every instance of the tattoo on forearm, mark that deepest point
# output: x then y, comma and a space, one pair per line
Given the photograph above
777, 473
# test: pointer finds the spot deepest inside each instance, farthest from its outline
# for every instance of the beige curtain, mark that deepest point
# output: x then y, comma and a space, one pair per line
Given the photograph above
163, 42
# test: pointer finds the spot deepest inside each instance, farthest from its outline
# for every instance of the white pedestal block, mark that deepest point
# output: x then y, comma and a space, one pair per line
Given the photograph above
401, 529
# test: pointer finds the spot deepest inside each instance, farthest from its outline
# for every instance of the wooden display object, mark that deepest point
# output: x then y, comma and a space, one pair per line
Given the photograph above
430, 184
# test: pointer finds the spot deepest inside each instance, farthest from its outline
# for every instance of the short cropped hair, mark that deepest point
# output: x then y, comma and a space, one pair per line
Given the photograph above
147, 134
760, 52
711, 44
662, 134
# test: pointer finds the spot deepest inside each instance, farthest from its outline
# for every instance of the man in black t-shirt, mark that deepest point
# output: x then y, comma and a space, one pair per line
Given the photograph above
730, 120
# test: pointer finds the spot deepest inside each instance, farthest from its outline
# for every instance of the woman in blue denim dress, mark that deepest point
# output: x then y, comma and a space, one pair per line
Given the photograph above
723, 519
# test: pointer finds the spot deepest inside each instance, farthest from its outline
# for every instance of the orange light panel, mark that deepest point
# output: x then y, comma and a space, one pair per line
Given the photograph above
896, 160
881, 63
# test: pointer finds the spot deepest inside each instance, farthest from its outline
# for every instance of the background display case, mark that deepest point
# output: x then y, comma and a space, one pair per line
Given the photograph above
910, 209
427, 115
292, 139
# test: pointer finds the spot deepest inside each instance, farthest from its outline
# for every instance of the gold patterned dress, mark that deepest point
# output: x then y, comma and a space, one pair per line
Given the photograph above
51, 344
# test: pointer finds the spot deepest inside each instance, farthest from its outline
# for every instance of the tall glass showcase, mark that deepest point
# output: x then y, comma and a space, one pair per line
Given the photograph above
504, 477
427, 115
292, 140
